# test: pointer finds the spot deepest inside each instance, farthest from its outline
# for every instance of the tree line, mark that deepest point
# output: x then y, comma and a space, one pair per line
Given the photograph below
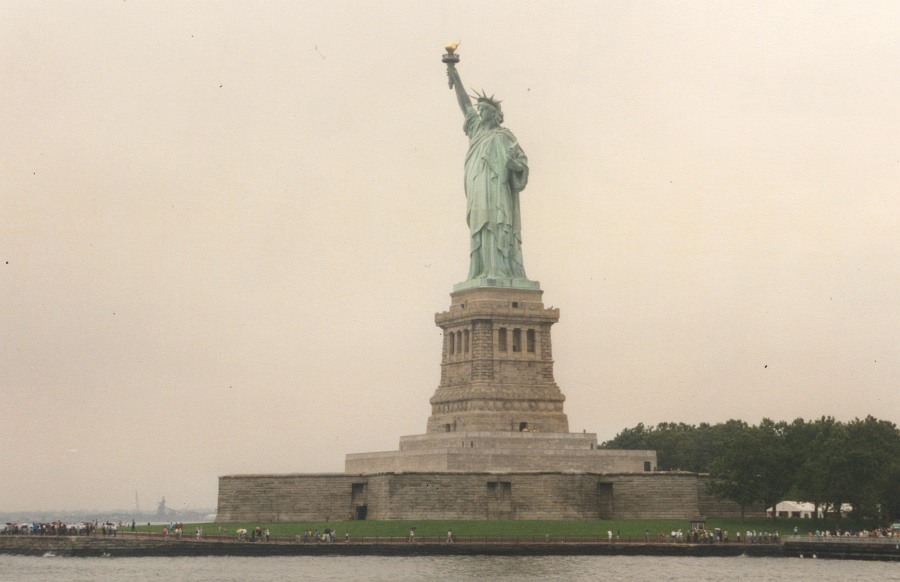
825, 461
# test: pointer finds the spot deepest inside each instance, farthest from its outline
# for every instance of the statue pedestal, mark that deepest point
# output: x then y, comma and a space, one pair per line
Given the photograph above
497, 364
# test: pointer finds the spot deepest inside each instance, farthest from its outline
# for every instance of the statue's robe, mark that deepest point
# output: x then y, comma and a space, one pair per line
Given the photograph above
492, 195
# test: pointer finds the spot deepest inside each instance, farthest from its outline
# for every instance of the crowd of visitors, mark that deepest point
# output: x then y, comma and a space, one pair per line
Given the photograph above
256, 535
59, 528
694, 536
882, 532
327, 535
715, 536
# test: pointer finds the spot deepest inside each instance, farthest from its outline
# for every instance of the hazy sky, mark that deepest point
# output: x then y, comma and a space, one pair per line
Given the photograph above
227, 227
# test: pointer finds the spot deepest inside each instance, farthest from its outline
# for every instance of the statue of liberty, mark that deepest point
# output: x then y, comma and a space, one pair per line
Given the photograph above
496, 170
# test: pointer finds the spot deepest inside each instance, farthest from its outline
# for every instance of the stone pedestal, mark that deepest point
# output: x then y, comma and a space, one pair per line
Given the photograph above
497, 364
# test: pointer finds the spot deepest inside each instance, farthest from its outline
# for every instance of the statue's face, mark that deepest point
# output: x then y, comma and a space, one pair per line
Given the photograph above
488, 113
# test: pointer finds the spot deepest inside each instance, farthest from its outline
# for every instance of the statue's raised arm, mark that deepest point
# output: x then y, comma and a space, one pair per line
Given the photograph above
451, 58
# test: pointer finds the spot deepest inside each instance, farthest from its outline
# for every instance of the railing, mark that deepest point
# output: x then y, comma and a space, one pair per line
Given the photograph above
866, 540
460, 539
482, 539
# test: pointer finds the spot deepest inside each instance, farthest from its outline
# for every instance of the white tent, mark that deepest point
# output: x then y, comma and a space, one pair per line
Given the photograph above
803, 509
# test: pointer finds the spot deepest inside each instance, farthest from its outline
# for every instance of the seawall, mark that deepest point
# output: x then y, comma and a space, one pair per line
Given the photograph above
127, 546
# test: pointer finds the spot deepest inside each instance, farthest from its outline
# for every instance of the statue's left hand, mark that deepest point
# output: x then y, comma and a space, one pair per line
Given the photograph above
514, 165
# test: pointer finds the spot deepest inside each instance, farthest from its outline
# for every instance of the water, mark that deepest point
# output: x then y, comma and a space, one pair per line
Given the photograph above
444, 569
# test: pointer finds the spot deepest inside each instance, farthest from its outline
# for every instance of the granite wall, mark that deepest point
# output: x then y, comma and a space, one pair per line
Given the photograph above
550, 495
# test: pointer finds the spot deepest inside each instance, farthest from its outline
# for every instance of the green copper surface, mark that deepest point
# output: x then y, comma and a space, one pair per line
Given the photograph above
496, 171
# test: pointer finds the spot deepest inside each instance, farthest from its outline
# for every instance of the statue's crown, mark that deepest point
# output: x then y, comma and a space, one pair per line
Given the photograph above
483, 98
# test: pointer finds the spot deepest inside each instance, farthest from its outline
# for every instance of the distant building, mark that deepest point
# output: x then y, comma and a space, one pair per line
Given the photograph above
161, 511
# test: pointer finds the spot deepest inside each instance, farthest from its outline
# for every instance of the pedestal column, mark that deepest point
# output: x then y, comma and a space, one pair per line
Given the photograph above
504, 380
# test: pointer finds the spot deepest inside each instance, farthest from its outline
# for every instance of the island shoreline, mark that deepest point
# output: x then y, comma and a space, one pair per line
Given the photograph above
136, 546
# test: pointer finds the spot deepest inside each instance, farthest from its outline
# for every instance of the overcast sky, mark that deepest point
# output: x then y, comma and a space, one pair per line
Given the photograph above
227, 227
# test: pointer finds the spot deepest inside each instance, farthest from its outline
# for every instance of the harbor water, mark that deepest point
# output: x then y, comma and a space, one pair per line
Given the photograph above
444, 568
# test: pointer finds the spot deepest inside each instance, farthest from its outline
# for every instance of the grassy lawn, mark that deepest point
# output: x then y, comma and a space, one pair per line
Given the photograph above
627, 529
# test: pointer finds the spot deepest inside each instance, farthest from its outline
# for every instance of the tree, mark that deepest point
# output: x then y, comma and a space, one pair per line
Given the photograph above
825, 461
754, 466
810, 442
678, 446
873, 447
629, 439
